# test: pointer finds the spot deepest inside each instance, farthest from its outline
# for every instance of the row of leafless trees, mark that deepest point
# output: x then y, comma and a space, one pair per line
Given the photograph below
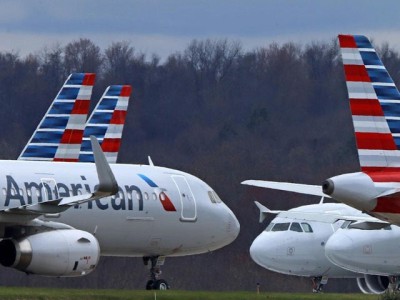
214, 110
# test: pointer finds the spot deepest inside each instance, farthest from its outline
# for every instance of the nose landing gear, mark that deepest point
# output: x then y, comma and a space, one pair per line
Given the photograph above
318, 283
155, 282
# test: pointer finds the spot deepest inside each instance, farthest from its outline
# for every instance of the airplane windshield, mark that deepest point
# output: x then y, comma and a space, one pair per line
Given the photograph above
297, 227
214, 198
269, 226
280, 227
306, 227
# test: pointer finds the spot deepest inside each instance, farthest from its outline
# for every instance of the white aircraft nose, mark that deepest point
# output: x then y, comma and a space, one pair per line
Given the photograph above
338, 249
263, 251
232, 226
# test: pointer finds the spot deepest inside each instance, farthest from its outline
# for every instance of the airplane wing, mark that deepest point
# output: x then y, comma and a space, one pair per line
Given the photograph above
307, 189
108, 186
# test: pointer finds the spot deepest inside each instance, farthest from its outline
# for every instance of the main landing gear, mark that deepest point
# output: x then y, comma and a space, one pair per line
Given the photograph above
155, 283
318, 283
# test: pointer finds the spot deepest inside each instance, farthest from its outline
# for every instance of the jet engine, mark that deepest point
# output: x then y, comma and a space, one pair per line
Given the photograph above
61, 253
373, 284
354, 189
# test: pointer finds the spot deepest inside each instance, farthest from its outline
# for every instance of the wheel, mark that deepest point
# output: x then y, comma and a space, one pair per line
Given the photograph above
161, 284
150, 285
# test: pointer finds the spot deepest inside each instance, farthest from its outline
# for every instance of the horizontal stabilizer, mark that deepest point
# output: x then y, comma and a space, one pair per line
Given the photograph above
264, 211
307, 189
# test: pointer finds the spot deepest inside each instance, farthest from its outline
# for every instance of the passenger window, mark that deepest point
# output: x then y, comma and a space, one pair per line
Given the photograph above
296, 227
281, 227
306, 227
154, 196
269, 226
146, 196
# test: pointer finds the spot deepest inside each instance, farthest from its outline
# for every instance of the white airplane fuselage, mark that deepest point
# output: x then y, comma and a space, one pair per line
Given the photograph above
373, 252
301, 253
158, 211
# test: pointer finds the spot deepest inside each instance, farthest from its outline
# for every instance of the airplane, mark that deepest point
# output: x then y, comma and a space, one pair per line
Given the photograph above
373, 101
373, 252
294, 242
81, 211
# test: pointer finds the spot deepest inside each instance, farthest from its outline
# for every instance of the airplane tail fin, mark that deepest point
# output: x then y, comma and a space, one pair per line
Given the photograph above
264, 211
374, 102
106, 123
59, 134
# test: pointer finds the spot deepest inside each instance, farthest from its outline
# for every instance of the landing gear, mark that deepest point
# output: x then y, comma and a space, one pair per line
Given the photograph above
318, 283
394, 284
155, 283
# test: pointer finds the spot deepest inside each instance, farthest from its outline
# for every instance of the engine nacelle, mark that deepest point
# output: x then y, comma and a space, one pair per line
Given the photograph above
376, 284
355, 189
61, 253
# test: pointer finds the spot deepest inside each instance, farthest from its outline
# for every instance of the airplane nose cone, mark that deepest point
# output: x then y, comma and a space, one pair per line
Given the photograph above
338, 250
262, 251
232, 226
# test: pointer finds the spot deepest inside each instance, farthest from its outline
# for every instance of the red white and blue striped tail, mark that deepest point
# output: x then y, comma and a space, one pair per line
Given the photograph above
374, 103
59, 134
107, 123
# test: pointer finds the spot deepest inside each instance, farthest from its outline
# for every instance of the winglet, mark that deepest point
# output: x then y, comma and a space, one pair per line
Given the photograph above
264, 211
108, 186
107, 183
150, 161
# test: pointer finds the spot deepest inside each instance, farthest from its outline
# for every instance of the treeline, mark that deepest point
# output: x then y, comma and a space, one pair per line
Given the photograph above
214, 110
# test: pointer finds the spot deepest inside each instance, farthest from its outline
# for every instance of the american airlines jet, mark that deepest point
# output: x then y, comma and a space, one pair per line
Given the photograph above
329, 240
57, 218
374, 102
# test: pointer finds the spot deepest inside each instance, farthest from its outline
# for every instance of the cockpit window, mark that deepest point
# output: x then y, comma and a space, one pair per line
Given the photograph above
306, 227
387, 227
211, 196
217, 197
345, 224
269, 226
280, 227
214, 198
296, 227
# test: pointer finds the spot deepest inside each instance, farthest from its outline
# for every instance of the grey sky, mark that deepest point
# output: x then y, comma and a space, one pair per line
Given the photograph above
166, 26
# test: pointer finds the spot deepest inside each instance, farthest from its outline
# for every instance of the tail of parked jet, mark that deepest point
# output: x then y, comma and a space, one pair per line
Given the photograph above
374, 102
106, 123
59, 135
375, 107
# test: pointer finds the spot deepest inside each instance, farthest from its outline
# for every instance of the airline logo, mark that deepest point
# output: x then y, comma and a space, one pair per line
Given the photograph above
60, 132
107, 123
164, 199
374, 103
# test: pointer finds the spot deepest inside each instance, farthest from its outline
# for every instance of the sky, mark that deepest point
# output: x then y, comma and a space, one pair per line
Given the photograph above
164, 27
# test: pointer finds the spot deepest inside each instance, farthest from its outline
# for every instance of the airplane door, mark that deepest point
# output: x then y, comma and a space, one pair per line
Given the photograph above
189, 209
